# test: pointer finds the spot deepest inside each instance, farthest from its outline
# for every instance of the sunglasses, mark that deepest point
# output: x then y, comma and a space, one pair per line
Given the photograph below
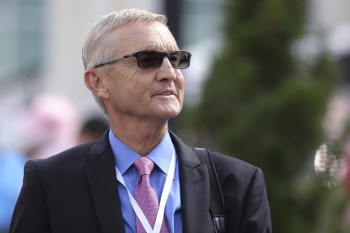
154, 59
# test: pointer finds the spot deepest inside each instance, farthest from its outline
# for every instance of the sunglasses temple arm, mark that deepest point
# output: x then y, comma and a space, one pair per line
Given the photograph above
112, 61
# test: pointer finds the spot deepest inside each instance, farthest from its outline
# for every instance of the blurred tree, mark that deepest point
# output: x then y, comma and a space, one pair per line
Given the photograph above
264, 105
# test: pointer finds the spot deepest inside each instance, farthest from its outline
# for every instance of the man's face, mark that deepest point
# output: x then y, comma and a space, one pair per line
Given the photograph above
144, 93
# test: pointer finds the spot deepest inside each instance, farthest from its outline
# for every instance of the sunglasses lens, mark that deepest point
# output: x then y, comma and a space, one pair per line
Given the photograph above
154, 59
149, 59
184, 59
180, 59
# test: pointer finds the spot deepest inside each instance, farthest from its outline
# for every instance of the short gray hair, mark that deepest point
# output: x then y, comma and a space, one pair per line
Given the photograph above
97, 46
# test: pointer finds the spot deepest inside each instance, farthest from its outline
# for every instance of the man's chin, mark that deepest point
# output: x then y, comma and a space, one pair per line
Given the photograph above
169, 113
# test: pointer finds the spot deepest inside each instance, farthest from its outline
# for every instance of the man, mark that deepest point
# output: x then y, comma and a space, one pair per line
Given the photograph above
133, 69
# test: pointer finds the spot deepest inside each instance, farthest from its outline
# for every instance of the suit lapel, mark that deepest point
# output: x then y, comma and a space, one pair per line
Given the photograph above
101, 176
195, 190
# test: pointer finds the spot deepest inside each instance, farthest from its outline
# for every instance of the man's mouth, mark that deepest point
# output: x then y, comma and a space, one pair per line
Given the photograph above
165, 93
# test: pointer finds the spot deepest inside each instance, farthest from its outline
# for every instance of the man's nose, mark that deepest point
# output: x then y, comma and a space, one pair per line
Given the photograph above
166, 71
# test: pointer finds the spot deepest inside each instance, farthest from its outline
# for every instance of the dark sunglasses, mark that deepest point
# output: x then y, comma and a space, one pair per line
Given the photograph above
154, 59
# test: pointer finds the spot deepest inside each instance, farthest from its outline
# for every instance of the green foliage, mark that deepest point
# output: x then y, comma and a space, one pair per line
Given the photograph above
263, 105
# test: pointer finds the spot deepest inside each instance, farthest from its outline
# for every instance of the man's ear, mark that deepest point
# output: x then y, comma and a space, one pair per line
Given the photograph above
96, 83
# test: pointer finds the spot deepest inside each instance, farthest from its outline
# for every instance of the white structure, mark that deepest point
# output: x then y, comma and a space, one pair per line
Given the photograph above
65, 26
68, 23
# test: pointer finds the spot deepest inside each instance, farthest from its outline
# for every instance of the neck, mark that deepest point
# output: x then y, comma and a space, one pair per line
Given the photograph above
142, 137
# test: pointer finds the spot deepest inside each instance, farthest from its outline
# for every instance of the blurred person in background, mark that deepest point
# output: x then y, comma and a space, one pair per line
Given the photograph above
92, 129
50, 125
47, 126
11, 177
133, 68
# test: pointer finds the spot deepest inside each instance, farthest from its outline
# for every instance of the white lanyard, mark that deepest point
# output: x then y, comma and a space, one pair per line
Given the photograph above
163, 199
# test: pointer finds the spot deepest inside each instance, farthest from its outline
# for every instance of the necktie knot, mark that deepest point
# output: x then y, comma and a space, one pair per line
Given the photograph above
144, 166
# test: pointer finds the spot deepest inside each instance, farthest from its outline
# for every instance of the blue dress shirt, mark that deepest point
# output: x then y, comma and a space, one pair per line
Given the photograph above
161, 156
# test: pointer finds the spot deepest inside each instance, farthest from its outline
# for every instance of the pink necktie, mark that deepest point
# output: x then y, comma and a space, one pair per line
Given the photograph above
145, 195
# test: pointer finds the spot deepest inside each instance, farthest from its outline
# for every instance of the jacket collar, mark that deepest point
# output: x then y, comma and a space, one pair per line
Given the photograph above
101, 175
195, 189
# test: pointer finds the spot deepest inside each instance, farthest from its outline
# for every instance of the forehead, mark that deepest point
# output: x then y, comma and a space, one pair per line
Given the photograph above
139, 36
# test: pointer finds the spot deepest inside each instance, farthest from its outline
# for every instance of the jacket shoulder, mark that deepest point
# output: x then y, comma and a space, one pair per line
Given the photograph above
225, 163
233, 172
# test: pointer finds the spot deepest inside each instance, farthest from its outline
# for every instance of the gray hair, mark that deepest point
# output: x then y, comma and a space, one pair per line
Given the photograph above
100, 40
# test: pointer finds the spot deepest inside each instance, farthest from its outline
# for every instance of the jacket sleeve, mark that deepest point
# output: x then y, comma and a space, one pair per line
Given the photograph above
256, 211
30, 214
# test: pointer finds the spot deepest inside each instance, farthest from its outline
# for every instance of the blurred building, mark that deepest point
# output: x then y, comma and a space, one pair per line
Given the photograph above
332, 19
40, 43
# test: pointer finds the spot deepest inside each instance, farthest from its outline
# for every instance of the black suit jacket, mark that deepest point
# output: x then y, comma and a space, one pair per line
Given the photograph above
76, 192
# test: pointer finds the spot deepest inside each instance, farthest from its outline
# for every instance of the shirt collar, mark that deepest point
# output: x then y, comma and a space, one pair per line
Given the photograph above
125, 156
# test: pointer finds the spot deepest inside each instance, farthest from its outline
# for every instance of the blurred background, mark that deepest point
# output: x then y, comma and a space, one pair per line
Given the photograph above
268, 83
